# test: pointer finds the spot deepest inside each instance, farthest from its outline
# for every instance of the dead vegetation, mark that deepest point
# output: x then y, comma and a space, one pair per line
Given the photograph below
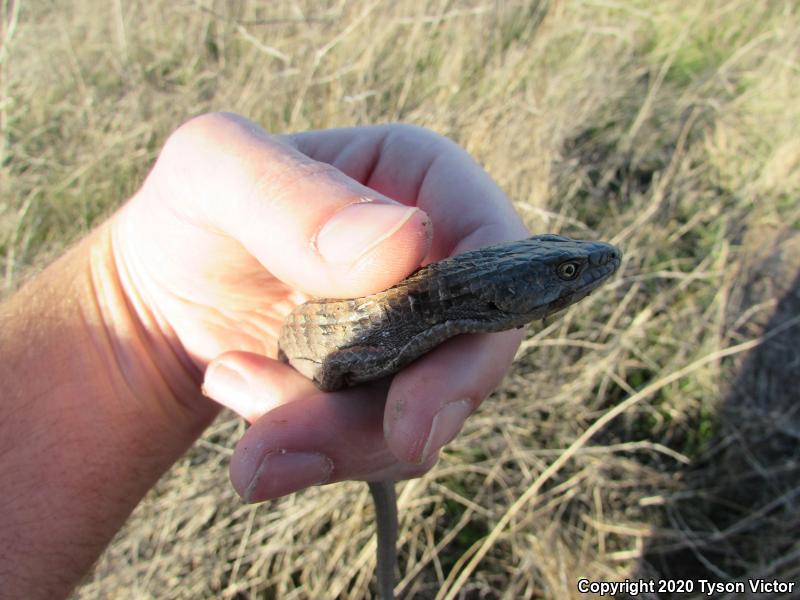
652, 431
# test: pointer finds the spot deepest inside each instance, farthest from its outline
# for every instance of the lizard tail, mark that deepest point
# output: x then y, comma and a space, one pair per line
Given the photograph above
385, 499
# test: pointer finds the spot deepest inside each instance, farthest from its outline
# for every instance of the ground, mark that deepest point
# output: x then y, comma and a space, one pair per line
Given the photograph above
648, 433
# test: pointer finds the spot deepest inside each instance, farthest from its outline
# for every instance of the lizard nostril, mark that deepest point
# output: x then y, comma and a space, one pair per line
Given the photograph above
606, 256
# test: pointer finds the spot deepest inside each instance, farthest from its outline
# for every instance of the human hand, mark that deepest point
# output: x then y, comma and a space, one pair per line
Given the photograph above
234, 228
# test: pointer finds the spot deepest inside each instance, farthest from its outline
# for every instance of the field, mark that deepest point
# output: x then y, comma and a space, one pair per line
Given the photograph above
650, 432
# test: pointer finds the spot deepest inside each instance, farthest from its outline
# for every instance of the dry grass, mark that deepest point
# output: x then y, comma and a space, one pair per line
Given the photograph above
643, 434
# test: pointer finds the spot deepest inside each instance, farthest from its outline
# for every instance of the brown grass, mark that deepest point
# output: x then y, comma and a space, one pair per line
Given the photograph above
652, 431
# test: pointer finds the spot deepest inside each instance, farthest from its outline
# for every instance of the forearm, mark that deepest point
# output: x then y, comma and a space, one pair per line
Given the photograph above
95, 407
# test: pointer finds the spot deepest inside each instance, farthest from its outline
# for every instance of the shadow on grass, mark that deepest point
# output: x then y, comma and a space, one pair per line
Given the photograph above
738, 516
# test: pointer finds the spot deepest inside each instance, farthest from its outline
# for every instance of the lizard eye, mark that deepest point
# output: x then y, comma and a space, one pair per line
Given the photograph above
568, 270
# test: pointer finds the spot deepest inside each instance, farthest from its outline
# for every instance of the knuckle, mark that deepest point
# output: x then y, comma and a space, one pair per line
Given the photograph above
282, 179
417, 132
200, 130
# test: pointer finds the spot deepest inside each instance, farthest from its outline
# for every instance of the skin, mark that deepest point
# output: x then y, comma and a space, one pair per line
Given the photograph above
104, 354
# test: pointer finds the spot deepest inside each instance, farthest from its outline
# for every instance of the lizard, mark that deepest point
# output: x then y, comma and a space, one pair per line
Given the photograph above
341, 343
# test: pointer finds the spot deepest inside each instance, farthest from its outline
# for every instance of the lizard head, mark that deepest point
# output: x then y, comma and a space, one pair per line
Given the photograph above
546, 273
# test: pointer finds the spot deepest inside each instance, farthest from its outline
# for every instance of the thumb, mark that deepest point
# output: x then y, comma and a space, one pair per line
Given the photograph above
307, 222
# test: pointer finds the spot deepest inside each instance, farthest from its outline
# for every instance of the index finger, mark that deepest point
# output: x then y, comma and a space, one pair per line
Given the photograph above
421, 168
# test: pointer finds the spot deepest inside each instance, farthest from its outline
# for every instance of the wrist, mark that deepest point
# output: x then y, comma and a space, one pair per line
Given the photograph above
73, 336
143, 350
95, 411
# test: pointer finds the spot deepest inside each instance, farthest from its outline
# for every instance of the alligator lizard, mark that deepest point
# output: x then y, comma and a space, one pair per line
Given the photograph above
340, 343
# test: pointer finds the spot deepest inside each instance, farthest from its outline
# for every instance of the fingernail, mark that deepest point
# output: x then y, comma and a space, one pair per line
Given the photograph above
357, 228
446, 424
223, 382
282, 472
